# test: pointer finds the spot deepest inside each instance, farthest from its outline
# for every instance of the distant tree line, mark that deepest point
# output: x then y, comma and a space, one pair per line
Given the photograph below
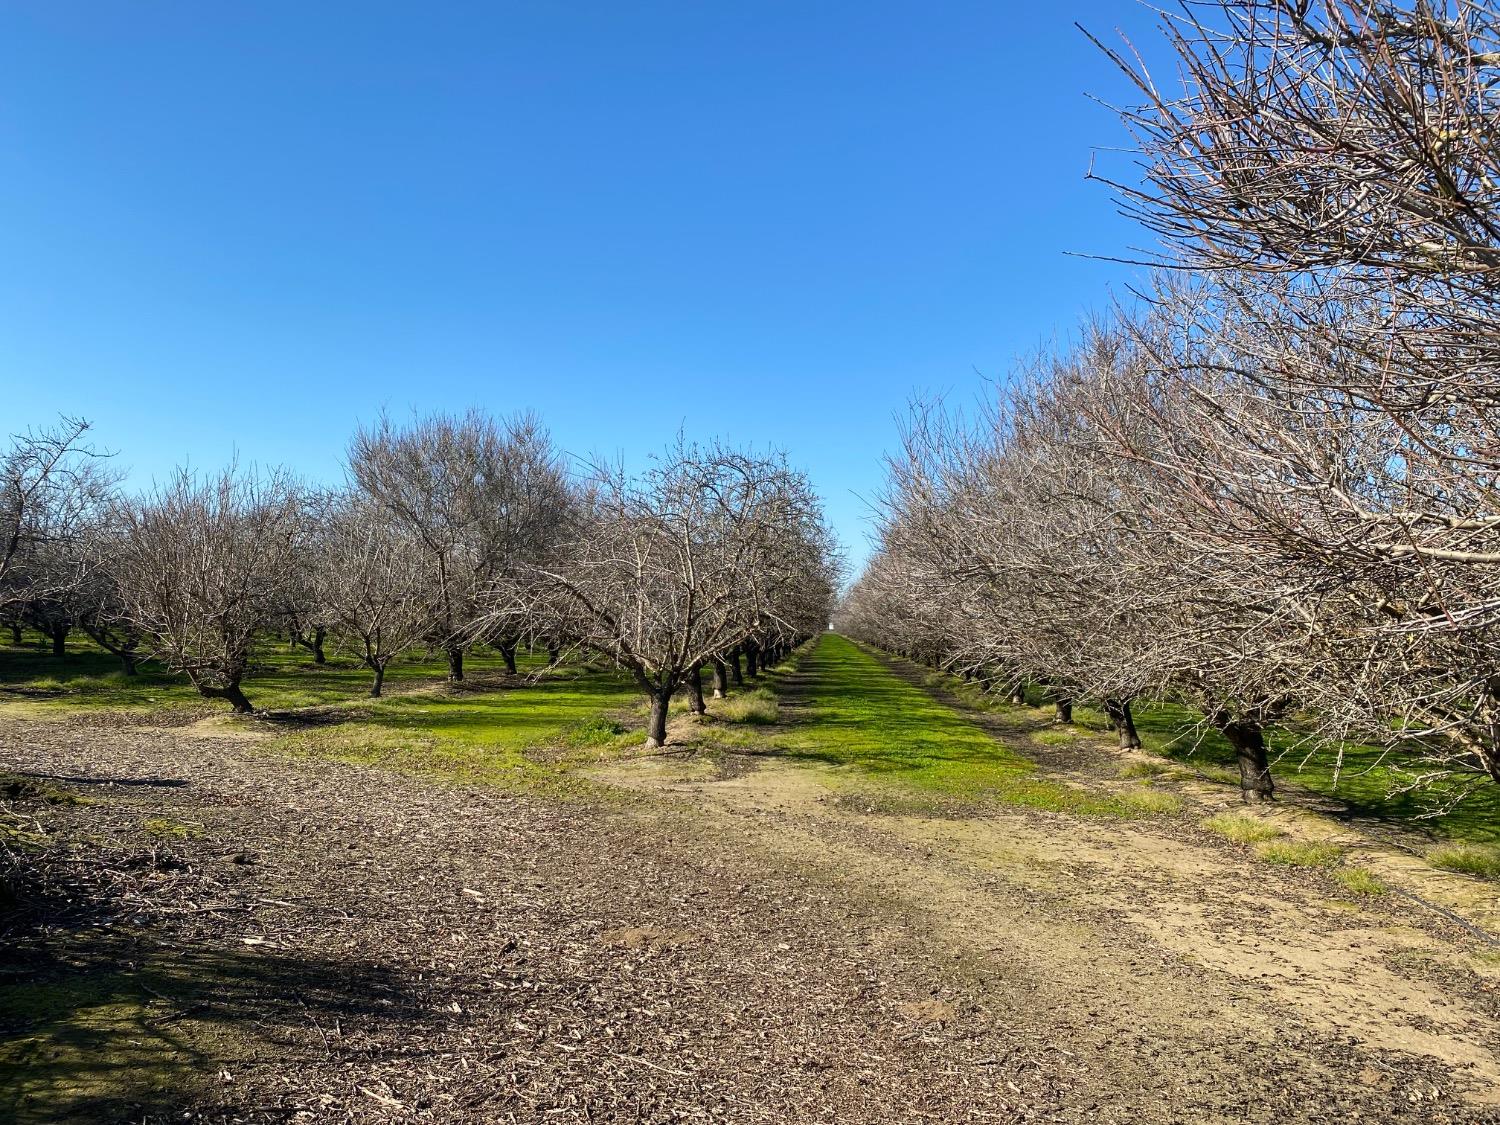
448, 532
1271, 488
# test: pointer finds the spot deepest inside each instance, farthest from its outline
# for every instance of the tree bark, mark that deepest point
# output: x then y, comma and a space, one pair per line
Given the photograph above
656, 724
1063, 709
1123, 722
230, 693
15, 633
695, 690
1249, 742
508, 654
734, 668
319, 636
752, 669
127, 662
1018, 697
554, 654
721, 675
237, 699
375, 688
59, 635
455, 656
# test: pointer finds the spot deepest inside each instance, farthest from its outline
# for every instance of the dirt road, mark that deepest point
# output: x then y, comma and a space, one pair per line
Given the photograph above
738, 939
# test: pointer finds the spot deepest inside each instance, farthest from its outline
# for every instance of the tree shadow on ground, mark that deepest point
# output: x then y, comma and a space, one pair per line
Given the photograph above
108, 1027
117, 1005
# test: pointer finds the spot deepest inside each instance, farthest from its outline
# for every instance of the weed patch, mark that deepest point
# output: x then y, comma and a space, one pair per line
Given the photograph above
1298, 853
1359, 881
758, 708
1242, 829
1467, 859
1151, 802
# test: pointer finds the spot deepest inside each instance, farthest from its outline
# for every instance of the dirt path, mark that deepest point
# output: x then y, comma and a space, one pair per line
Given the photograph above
309, 941
1169, 956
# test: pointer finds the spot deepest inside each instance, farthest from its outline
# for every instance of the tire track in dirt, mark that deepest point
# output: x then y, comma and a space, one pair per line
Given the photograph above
1146, 931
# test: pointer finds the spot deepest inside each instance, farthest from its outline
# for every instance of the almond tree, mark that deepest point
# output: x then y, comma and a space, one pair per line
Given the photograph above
371, 582
1332, 168
484, 500
200, 567
52, 486
674, 568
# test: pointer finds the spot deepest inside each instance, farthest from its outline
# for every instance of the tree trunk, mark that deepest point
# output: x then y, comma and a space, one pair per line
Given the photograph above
554, 654
1064, 709
455, 656
656, 725
15, 633
1018, 697
237, 699
379, 670
1123, 722
230, 693
695, 690
752, 669
59, 635
319, 636
127, 661
734, 669
721, 675
1249, 743
508, 654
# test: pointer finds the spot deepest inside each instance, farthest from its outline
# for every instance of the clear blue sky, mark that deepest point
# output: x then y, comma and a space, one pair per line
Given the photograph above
248, 226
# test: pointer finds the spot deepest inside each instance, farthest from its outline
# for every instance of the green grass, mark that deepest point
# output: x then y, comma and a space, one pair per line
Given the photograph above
480, 736
1151, 802
281, 680
1300, 853
598, 730
1359, 881
1367, 784
1242, 829
757, 707
1467, 860
1143, 769
861, 715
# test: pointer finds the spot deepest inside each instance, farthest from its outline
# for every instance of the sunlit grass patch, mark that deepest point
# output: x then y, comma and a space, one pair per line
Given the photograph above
1359, 881
1152, 802
757, 707
1242, 829
479, 736
597, 731
1143, 769
1467, 859
862, 716
1300, 853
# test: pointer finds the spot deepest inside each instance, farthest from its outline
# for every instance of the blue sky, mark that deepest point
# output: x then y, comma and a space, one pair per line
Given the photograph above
244, 228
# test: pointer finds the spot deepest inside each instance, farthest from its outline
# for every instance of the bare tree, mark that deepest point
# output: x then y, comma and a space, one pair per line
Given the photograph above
371, 582
1331, 167
200, 570
674, 568
52, 485
485, 500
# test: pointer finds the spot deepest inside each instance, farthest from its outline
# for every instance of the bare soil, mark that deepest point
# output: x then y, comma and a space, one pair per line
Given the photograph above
744, 942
